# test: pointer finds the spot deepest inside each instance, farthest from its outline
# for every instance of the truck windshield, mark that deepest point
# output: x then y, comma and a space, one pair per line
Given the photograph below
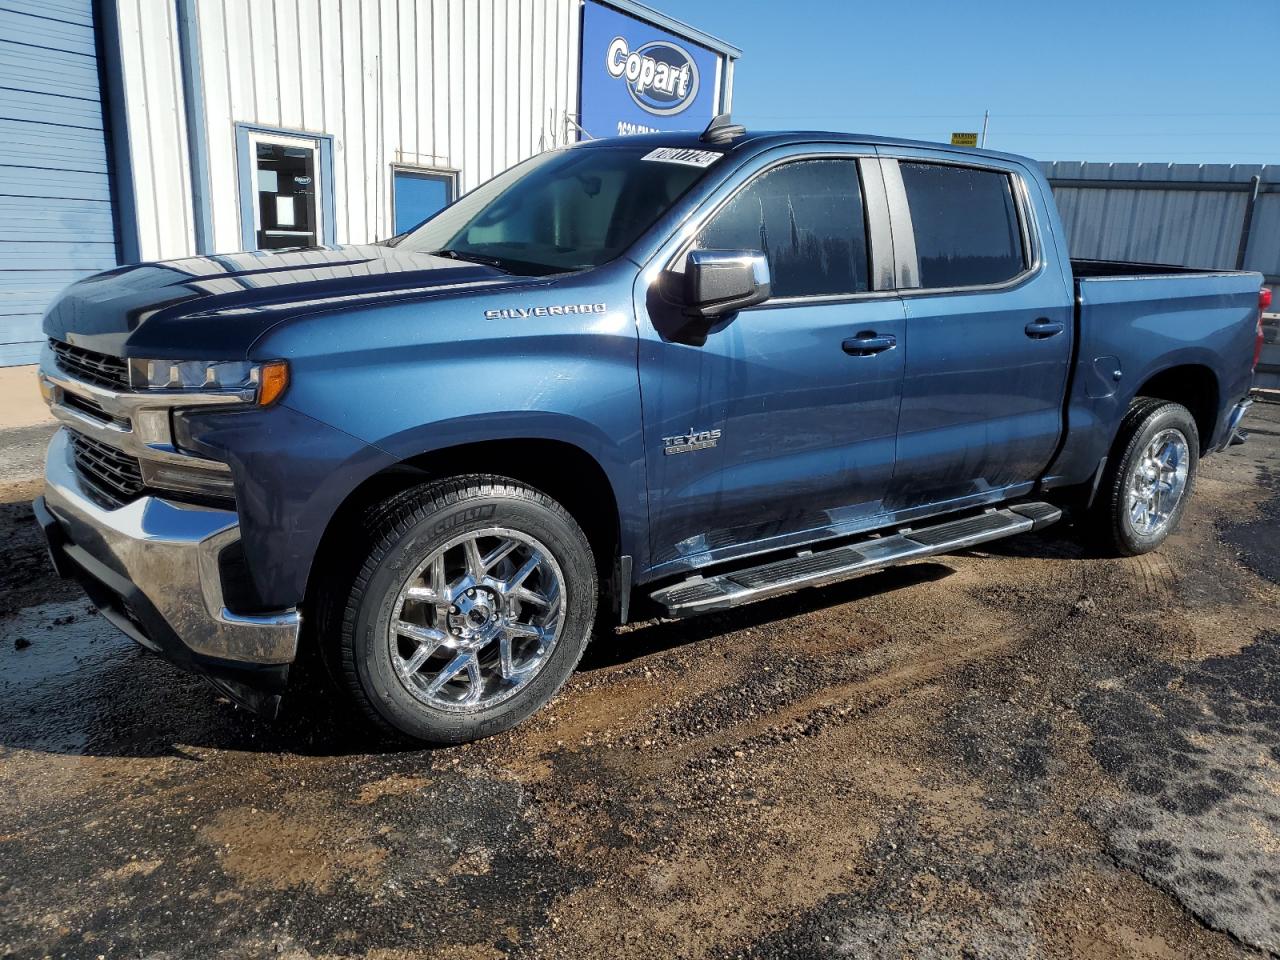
559, 211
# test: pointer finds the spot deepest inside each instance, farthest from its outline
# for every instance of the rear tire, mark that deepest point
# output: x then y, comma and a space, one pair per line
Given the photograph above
1148, 479
472, 607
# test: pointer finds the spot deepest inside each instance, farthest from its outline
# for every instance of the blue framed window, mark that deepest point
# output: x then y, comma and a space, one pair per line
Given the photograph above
286, 188
418, 194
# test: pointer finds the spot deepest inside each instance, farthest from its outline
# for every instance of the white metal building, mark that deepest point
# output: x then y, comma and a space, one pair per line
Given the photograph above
156, 129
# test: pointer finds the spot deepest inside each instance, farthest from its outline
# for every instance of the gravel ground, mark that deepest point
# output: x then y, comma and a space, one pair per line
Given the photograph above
1023, 751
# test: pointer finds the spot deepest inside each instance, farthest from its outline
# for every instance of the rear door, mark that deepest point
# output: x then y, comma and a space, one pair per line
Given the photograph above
790, 424
988, 326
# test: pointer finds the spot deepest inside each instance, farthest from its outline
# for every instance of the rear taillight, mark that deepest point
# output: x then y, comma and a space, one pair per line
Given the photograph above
1264, 304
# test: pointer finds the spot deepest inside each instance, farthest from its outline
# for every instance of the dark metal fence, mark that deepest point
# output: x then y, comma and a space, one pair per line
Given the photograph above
1198, 215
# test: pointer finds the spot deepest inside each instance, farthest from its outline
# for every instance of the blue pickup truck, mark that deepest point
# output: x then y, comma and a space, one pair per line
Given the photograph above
674, 372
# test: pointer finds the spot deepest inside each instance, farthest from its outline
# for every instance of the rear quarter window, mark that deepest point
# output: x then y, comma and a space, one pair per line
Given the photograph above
966, 224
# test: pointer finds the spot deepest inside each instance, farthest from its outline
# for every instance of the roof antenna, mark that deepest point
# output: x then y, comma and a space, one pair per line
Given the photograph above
722, 129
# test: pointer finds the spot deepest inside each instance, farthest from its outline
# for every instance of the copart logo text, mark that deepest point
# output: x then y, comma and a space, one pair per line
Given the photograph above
660, 76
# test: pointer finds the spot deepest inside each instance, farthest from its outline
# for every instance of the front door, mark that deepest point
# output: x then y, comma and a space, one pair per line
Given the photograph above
989, 319
781, 427
284, 211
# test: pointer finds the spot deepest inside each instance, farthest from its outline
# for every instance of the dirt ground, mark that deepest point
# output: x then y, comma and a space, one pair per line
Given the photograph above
1022, 751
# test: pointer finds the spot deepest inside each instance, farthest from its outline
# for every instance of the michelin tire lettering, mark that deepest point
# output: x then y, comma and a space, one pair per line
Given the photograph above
661, 77
483, 512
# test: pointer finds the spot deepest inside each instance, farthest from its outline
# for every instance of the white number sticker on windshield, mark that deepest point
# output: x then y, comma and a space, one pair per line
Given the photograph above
683, 155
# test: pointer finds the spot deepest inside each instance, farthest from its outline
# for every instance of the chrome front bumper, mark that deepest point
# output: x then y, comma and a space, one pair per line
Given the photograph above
160, 559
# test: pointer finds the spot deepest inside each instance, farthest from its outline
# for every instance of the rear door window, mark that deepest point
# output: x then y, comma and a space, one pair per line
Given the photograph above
807, 217
966, 224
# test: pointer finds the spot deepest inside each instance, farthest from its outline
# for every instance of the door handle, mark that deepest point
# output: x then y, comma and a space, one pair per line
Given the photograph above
869, 344
1043, 328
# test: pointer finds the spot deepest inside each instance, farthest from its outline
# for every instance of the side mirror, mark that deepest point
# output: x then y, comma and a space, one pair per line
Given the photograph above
720, 282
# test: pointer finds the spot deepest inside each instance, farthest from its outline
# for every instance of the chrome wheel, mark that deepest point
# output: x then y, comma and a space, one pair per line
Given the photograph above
477, 620
1158, 481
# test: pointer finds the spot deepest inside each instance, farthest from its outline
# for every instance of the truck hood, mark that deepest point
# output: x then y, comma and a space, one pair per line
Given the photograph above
212, 308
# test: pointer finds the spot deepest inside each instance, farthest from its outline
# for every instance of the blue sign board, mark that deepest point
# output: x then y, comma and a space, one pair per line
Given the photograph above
638, 78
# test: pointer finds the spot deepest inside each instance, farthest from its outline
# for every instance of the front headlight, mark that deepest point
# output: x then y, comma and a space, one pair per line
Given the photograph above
243, 380
166, 390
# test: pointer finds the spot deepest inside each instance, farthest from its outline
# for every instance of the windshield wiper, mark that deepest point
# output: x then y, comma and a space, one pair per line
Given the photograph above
496, 262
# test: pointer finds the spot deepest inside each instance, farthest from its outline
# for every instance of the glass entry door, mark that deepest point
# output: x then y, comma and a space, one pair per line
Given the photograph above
286, 182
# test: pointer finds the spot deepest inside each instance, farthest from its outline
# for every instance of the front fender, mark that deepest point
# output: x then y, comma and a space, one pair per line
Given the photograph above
409, 378
620, 456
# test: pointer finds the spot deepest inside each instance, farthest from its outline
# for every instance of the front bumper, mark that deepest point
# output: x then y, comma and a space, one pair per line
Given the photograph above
151, 567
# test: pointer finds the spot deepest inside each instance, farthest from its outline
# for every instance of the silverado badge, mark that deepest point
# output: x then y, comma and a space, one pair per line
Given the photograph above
556, 310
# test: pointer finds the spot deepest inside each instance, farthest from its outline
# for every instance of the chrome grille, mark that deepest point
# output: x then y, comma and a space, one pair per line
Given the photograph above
93, 409
112, 472
96, 368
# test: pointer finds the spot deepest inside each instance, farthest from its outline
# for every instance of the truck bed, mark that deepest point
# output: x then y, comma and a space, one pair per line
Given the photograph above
1088, 269
1135, 321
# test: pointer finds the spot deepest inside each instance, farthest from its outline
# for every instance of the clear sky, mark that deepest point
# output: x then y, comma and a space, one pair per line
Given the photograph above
1184, 81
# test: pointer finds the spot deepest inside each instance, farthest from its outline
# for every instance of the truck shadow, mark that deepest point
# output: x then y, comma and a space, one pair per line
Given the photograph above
1063, 541
655, 635
83, 690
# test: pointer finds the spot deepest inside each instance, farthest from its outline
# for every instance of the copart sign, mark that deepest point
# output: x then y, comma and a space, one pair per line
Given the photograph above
637, 78
662, 77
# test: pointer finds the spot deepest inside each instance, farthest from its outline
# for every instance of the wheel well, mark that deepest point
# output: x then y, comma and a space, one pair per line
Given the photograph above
1196, 388
566, 473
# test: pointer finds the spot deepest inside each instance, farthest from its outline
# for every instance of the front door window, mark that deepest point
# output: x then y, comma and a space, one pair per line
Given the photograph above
807, 218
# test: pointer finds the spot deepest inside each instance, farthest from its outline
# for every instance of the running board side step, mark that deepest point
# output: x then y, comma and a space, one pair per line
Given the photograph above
809, 569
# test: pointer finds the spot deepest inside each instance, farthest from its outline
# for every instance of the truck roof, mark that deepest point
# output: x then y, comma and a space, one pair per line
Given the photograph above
758, 139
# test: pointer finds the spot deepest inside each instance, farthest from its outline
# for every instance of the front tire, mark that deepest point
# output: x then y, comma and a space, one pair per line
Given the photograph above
472, 608
1149, 478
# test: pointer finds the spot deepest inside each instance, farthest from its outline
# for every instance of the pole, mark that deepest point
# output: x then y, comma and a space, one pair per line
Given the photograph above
986, 115
1246, 228
575, 125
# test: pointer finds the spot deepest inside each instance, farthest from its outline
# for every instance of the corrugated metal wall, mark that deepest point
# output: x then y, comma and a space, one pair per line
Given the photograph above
1194, 227
55, 200
156, 125
390, 80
